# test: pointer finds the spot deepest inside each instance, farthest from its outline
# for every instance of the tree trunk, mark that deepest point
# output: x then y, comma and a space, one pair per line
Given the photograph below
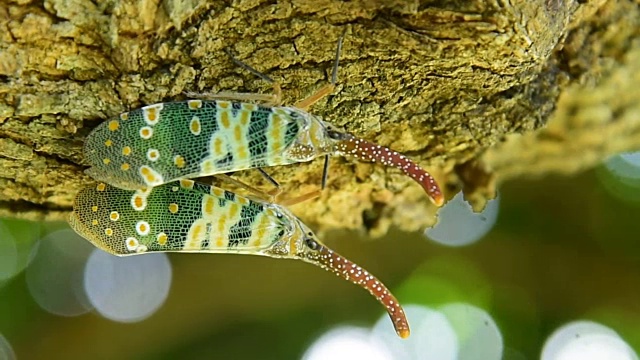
445, 82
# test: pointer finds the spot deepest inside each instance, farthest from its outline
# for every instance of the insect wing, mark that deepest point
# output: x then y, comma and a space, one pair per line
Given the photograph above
179, 216
168, 141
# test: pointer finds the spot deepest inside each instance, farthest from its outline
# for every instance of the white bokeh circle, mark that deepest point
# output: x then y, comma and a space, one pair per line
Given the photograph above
127, 289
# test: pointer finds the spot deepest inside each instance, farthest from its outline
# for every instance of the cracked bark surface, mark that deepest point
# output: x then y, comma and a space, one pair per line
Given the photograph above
463, 87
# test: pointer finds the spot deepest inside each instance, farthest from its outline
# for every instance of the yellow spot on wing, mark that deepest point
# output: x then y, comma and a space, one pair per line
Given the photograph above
108, 143
151, 114
219, 241
234, 210
196, 235
126, 151
106, 161
244, 117
224, 119
124, 167
275, 131
139, 202
207, 167
132, 243
217, 147
221, 224
101, 187
153, 154
162, 239
151, 177
143, 228
249, 107
114, 125
146, 132
108, 231
208, 205
173, 208
194, 125
194, 104
261, 229
186, 184
124, 116
179, 162
238, 133
217, 192
242, 153
224, 104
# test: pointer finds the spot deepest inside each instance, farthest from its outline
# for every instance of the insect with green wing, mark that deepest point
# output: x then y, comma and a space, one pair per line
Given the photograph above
169, 141
186, 216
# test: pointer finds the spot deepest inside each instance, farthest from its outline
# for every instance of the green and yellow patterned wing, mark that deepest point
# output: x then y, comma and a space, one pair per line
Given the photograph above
182, 216
164, 142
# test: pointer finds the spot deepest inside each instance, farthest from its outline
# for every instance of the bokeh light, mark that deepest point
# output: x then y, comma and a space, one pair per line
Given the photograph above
6, 352
632, 158
620, 176
15, 246
459, 225
586, 340
347, 343
432, 336
446, 279
54, 276
127, 289
456, 331
8, 254
478, 334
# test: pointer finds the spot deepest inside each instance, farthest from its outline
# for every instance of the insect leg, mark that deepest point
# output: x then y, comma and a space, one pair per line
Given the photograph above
276, 97
230, 95
300, 199
278, 190
327, 89
325, 171
256, 192
269, 178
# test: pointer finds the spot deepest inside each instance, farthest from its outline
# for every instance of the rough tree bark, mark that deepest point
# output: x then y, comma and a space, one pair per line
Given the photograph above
445, 82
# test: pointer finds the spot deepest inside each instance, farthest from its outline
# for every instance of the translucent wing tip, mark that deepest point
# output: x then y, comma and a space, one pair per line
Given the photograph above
90, 218
99, 174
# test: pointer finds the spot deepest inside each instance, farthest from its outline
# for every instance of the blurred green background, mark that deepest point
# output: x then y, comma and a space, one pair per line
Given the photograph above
562, 249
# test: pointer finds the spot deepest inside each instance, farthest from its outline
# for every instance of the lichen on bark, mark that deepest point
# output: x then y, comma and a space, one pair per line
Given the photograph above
445, 82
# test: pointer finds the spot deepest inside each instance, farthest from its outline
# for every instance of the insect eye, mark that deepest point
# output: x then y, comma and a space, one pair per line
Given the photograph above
311, 243
335, 135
